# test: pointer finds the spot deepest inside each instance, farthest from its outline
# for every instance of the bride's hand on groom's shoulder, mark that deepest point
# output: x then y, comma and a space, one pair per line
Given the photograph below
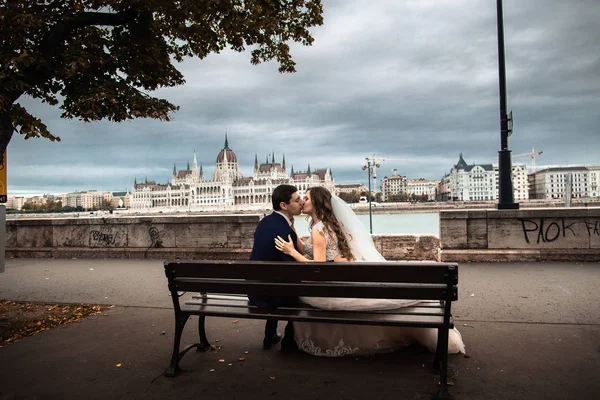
283, 246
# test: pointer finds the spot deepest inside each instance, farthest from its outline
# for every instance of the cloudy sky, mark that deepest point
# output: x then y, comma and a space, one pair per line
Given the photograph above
411, 80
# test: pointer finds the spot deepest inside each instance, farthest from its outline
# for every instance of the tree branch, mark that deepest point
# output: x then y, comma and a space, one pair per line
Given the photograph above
61, 31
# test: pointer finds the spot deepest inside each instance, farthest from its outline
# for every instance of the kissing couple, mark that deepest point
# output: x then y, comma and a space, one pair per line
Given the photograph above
336, 235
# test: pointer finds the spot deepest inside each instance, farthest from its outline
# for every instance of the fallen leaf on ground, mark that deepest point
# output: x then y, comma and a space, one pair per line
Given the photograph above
235, 321
221, 360
272, 378
118, 365
242, 359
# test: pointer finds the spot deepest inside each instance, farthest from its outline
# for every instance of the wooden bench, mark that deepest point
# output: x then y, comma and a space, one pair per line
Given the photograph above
223, 286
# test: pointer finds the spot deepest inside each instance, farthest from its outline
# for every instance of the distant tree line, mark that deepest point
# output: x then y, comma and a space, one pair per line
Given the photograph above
52, 206
355, 195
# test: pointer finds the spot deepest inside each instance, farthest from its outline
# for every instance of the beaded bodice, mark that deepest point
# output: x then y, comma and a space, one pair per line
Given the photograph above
331, 244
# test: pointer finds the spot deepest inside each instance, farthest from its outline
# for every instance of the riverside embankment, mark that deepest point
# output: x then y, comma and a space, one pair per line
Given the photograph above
481, 235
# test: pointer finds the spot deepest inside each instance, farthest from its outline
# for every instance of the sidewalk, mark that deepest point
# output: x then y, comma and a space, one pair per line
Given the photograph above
532, 331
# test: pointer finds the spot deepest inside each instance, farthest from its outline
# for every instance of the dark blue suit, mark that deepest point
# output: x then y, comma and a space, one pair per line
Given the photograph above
264, 249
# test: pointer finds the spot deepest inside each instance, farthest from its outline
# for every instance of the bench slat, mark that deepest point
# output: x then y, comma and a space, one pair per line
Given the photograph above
409, 272
345, 317
244, 298
413, 310
373, 290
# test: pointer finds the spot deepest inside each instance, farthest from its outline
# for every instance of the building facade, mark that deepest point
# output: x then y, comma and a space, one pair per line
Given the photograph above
15, 202
552, 183
227, 189
399, 188
422, 188
480, 182
394, 188
594, 181
350, 187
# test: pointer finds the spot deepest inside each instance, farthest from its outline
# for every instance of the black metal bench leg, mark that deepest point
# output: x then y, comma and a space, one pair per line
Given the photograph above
442, 355
204, 344
179, 325
438, 351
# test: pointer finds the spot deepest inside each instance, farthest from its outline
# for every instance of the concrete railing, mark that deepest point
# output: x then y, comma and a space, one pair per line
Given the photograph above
168, 237
520, 235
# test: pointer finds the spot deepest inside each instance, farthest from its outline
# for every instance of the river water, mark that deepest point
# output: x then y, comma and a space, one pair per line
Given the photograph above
401, 224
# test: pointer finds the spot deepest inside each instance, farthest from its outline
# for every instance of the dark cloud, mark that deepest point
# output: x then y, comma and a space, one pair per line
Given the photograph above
415, 81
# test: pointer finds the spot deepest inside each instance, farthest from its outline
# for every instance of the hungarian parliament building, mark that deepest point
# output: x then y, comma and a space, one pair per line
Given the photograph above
227, 189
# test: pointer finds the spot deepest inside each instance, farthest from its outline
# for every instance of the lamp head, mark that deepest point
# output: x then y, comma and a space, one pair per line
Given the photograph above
377, 165
364, 167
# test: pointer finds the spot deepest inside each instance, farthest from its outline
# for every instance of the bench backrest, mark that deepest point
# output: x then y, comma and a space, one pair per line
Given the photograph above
399, 280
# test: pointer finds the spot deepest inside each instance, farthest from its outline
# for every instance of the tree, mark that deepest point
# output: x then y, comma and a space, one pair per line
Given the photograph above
98, 57
352, 197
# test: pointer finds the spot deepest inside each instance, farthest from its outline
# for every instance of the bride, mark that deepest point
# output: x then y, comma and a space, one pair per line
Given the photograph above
336, 234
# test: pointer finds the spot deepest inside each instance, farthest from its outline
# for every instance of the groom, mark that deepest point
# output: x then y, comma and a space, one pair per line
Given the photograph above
287, 203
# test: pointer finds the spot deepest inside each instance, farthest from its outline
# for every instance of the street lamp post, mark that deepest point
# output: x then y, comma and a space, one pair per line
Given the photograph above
371, 166
505, 190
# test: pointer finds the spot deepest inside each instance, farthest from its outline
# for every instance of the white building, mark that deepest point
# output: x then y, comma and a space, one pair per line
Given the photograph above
594, 181
15, 203
480, 182
422, 187
86, 200
227, 189
399, 188
394, 188
551, 183
350, 187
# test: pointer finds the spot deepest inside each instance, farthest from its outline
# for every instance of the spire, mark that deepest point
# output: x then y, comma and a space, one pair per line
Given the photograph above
134, 182
174, 169
195, 162
188, 168
292, 169
267, 159
283, 162
273, 159
308, 171
226, 141
146, 181
255, 161
461, 162
201, 171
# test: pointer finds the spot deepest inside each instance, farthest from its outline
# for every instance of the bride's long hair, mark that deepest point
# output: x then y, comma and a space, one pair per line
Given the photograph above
321, 202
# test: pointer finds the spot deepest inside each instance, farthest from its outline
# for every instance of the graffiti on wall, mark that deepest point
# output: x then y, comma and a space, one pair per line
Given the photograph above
544, 230
102, 239
155, 237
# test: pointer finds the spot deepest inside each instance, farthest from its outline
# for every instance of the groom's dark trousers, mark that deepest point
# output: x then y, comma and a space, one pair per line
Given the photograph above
264, 249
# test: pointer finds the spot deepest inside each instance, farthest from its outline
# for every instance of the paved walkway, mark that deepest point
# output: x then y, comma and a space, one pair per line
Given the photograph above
532, 331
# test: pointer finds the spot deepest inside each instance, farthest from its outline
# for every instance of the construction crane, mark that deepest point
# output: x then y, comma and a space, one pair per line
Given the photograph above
374, 162
532, 156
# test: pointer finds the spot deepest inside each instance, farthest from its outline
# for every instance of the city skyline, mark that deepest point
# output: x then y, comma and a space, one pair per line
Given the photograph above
414, 80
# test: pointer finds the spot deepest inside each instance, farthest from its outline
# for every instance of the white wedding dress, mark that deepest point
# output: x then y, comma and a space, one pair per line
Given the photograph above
336, 340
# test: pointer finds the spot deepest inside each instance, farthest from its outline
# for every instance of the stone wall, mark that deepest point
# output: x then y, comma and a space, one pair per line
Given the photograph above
190, 237
520, 235
168, 237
